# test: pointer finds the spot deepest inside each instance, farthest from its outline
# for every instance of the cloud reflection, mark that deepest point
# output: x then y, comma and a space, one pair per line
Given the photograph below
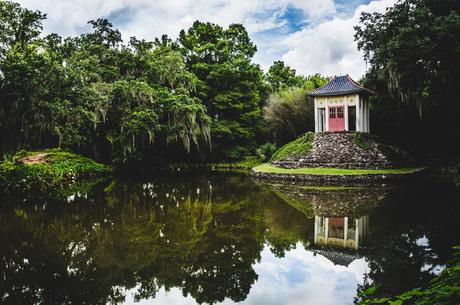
301, 277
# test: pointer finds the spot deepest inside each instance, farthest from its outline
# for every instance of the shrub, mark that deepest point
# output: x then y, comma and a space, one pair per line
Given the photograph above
265, 151
442, 290
362, 140
289, 113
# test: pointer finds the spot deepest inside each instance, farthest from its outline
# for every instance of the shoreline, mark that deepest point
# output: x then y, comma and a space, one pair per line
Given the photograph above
335, 175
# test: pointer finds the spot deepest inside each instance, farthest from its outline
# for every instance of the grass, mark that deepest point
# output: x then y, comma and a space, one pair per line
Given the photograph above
56, 171
270, 169
300, 205
295, 148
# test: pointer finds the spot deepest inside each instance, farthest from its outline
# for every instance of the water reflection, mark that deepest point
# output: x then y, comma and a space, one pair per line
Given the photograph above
340, 214
346, 232
340, 225
211, 239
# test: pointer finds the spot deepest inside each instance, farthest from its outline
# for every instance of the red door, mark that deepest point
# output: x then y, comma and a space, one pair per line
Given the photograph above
336, 119
337, 227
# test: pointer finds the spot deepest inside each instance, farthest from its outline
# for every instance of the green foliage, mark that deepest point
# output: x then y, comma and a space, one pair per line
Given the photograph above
290, 112
415, 44
91, 93
19, 26
280, 77
442, 290
265, 151
230, 85
413, 50
301, 145
125, 103
54, 173
315, 81
361, 140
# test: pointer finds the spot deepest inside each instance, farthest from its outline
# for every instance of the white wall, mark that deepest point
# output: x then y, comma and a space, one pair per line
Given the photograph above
362, 110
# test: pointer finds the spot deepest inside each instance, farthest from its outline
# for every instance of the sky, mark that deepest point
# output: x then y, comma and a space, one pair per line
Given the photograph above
311, 36
299, 278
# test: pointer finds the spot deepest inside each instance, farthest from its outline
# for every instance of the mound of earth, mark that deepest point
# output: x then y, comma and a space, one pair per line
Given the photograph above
37, 158
347, 150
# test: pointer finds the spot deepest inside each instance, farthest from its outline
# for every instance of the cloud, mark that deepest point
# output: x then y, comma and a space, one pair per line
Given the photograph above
149, 19
296, 279
310, 35
329, 47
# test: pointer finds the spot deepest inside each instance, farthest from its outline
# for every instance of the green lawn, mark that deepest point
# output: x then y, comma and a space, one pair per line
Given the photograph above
267, 168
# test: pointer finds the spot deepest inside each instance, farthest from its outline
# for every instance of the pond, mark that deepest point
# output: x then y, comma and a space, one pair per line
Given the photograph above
224, 238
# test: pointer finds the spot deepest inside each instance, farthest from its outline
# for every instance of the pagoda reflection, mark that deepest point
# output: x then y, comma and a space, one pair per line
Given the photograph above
338, 216
346, 232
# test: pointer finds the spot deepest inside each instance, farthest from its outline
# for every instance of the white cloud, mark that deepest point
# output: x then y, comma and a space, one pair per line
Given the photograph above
329, 47
324, 44
300, 277
315, 9
152, 18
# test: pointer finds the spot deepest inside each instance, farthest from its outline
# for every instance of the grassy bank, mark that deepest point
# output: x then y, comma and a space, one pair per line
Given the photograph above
270, 169
301, 145
47, 172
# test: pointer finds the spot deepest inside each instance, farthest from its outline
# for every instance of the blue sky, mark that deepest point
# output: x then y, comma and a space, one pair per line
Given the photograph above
299, 278
309, 35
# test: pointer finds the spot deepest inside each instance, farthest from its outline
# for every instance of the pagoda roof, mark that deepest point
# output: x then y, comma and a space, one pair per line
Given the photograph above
340, 85
337, 257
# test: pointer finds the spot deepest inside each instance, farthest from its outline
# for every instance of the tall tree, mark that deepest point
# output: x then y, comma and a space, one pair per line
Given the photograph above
414, 48
18, 26
230, 85
280, 76
23, 65
289, 111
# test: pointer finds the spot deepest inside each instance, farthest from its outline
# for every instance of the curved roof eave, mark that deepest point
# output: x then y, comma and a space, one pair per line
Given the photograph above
340, 85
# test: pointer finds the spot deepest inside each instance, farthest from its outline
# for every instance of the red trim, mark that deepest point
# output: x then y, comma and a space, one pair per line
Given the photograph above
336, 119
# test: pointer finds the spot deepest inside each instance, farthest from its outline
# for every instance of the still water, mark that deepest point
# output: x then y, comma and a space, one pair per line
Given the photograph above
224, 239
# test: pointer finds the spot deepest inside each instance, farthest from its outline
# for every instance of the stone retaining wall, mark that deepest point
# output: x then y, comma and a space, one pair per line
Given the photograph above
371, 179
355, 201
347, 150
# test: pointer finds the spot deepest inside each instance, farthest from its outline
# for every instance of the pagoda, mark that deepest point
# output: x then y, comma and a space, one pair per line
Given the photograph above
341, 105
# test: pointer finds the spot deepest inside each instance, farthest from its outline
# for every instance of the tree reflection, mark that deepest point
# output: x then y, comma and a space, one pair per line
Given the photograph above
407, 239
200, 236
204, 235
414, 247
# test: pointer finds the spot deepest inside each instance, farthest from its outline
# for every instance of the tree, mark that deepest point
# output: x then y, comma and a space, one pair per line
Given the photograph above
18, 26
21, 64
230, 85
289, 112
414, 48
94, 94
280, 76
